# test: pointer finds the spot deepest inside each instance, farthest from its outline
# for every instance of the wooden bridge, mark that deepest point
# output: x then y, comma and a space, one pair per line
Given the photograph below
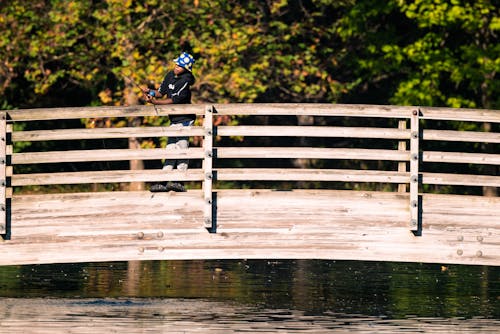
321, 210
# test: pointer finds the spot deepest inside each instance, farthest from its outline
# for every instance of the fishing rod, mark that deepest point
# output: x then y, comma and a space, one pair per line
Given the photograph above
148, 92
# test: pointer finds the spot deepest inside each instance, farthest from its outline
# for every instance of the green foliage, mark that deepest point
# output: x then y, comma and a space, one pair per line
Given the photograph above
435, 53
426, 52
244, 50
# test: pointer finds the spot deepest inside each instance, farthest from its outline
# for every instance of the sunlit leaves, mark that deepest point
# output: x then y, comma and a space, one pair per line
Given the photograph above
417, 52
437, 52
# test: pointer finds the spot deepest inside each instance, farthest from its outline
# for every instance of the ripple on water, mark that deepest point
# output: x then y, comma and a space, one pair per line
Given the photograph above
143, 315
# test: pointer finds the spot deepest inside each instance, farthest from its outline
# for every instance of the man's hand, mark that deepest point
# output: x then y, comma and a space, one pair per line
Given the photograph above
150, 98
149, 95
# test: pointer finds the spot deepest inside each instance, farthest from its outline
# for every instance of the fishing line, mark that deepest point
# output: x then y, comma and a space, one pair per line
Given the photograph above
142, 90
163, 130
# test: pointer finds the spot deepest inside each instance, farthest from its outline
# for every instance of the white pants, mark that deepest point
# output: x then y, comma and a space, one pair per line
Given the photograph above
177, 143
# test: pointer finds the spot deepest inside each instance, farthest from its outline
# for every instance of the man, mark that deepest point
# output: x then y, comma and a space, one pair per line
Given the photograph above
176, 87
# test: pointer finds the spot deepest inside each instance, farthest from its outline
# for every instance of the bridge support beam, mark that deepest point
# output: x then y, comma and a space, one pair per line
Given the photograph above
415, 179
208, 195
3, 173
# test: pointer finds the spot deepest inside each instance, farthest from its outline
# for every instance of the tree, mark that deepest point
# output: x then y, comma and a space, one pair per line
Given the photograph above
437, 53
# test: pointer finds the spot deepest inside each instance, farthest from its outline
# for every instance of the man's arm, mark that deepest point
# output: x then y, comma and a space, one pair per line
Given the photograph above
154, 96
154, 100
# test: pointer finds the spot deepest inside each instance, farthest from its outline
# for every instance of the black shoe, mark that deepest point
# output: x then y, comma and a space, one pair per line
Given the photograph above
158, 187
176, 186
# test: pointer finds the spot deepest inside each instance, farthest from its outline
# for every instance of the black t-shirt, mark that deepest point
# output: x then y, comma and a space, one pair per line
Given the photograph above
178, 88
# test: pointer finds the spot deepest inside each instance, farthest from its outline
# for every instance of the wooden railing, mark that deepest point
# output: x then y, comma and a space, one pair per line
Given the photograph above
416, 157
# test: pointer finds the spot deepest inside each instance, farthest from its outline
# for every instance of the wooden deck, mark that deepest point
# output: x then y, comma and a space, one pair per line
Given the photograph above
238, 223
298, 224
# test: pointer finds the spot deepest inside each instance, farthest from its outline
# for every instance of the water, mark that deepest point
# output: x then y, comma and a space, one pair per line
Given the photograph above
249, 297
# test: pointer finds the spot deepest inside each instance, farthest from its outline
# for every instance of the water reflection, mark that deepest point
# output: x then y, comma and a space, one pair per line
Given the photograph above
263, 296
201, 316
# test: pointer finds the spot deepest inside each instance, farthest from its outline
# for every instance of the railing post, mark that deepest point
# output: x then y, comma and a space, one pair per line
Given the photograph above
415, 224
3, 173
403, 164
208, 216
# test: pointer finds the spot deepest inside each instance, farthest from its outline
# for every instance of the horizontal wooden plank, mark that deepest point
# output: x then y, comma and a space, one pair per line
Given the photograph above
280, 131
386, 111
310, 153
225, 174
260, 131
312, 131
314, 109
461, 179
461, 157
295, 174
458, 114
114, 176
105, 155
287, 209
249, 152
462, 114
462, 136
249, 174
349, 175
197, 153
106, 133
104, 111
463, 213
356, 132
117, 215
370, 245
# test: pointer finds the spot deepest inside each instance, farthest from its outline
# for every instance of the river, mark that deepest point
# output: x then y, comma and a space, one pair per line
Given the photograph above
254, 296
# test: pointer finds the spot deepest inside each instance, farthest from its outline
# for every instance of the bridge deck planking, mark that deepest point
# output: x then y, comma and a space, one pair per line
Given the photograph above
315, 224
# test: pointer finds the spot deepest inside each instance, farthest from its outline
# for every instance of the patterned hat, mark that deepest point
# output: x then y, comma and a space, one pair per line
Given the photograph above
185, 60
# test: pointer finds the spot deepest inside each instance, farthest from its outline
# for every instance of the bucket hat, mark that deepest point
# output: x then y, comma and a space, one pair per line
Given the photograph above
185, 60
